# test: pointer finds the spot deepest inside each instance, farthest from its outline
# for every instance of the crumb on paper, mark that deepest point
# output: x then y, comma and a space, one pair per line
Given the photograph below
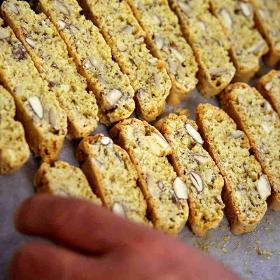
264, 253
226, 238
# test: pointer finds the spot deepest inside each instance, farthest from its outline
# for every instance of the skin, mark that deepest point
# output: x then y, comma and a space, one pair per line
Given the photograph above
85, 241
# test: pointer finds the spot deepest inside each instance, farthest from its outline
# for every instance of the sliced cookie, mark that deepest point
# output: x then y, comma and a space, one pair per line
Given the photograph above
165, 192
112, 176
246, 187
14, 150
198, 170
61, 178
126, 38
44, 121
261, 124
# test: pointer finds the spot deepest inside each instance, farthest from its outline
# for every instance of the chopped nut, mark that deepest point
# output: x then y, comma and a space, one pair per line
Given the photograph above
153, 61
19, 52
226, 19
157, 19
161, 186
257, 47
52, 118
173, 66
180, 188
61, 24
36, 106
266, 127
177, 55
246, 9
139, 5
159, 41
4, 34
30, 42
236, 134
267, 106
161, 140
200, 158
184, 7
139, 40
121, 46
157, 78
152, 186
118, 209
62, 8
202, 25
105, 140
217, 72
113, 96
268, 86
96, 162
263, 187
196, 181
219, 200
13, 8
208, 175
194, 133
127, 29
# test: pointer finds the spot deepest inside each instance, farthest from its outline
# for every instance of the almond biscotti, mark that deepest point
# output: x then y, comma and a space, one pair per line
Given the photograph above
246, 187
37, 108
209, 43
165, 192
126, 38
14, 150
93, 56
112, 176
64, 179
267, 16
247, 45
50, 56
198, 170
166, 41
269, 86
262, 125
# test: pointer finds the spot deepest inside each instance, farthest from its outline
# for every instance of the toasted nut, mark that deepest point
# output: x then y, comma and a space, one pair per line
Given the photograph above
161, 140
196, 181
257, 47
246, 9
113, 96
52, 118
173, 66
61, 24
236, 134
268, 86
4, 34
118, 209
105, 140
62, 8
13, 8
217, 72
226, 19
30, 42
87, 63
177, 55
263, 187
200, 158
36, 106
194, 133
180, 188
127, 29
159, 41
139, 40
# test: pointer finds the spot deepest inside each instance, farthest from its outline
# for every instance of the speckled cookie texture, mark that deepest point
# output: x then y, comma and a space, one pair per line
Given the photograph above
113, 176
269, 86
44, 121
61, 178
247, 45
126, 38
211, 46
166, 193
198, 170
246, 187
166, 41
14, 150
261, 123
267, 16
50, 56
93, 56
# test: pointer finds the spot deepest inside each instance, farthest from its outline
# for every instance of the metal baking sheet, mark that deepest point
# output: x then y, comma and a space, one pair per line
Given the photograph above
253, 256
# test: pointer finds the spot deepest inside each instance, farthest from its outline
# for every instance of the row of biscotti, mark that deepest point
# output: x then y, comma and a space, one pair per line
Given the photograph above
193, 179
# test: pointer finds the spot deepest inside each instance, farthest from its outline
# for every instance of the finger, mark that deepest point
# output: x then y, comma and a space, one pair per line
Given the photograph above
76, 223
38, 260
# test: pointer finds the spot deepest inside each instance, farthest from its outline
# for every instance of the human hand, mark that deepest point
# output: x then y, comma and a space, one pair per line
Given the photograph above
89, 242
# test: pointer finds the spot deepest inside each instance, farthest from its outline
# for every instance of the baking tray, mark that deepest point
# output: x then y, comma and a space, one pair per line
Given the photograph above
253, 256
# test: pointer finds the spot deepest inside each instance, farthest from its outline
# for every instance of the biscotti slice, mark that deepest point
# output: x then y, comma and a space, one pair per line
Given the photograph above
262, 125
112, 176
50, 56
126, 38
198, 170
210, 45
37, 108
247, 45
93, 56
246, 187
267, 16
165, 192
14, 150
269, 86
61, 178
166, 41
